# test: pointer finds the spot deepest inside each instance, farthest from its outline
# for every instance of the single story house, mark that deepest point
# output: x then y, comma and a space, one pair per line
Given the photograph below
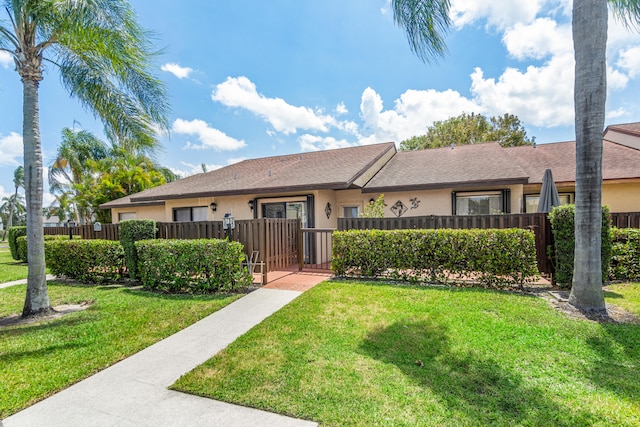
318, 187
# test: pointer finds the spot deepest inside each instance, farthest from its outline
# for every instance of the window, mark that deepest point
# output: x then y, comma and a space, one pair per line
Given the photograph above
198, 213
531, 201
481, 202
126, 215
350, 212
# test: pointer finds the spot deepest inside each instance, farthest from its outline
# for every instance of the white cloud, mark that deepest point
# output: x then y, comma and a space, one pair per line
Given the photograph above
540, 96
341, 109
286, 118
497, 13
629, 61
176, 70
538, 40
315, 143
192, 169
11, 149
6, 60
413, 112
210, 138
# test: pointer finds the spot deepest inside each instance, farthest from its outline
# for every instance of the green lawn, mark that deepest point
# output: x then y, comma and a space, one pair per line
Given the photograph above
11, 269
363, 354
38, 359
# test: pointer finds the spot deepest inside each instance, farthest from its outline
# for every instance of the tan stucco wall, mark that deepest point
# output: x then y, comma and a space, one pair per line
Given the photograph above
622, 197
142, 212
431, 202
623, 138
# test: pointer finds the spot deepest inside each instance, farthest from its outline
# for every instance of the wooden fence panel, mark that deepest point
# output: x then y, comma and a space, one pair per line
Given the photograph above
625, 219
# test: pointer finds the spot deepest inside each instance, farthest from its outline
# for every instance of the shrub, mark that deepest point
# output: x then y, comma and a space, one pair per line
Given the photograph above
563, 229
22, 248
194, 266
85, 260
13, 234
490, 257
625, 254
131, 231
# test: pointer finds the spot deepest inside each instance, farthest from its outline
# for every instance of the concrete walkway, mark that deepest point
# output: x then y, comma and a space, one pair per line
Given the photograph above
23, 281
134, 391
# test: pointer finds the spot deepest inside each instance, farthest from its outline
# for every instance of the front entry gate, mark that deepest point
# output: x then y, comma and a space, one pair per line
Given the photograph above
315, 247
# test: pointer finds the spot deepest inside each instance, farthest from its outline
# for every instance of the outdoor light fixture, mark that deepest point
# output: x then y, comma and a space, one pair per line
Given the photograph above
70, 224
371, 201
327, 210
228, 224
213, 206
250, 203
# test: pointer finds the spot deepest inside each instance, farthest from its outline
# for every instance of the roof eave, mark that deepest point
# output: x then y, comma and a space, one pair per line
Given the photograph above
441, 185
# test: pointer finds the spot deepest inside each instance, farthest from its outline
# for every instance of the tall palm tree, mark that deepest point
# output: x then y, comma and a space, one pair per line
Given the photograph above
425, 21
18, 181
71, 165
590, 91
103, 56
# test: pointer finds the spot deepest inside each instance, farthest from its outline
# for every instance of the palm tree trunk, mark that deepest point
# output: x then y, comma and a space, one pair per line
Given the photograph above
37, 299
589, 40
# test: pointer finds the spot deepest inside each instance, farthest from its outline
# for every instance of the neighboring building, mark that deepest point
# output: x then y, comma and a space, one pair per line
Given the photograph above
321, 186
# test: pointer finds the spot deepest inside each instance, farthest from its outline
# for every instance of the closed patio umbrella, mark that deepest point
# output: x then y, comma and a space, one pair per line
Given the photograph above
548, 193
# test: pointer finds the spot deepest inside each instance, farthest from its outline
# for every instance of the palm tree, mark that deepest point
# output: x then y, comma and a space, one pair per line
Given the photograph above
103, 56
70, 166
18, 181
13, 210
426, 20
590, 91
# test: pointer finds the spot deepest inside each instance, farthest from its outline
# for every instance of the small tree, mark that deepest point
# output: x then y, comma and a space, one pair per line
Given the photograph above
472, 128
374, 209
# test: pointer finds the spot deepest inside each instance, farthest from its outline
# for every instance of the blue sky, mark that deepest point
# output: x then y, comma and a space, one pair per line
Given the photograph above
256, 78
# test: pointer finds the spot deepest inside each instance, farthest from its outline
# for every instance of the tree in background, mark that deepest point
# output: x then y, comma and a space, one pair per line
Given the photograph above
374, 209
118, 175
70, 167
507, 130
103, 57
18, 181
12, 211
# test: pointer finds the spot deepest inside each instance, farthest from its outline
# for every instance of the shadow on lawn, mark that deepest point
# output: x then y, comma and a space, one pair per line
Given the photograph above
477, 387
618, 368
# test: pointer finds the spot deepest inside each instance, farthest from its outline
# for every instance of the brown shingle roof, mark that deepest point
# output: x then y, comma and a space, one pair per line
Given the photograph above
446, 167
628, 128
618, 161
334, 169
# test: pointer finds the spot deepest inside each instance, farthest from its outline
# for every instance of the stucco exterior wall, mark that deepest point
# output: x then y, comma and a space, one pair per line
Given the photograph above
156, 213
623, 138
622, 197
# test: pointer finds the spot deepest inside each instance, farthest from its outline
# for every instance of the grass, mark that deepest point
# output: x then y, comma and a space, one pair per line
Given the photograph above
36, 360
11, 269
355, 354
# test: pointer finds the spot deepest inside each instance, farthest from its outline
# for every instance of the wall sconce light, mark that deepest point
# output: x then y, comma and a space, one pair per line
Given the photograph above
371, 201
250, 203
213, 206
327, 210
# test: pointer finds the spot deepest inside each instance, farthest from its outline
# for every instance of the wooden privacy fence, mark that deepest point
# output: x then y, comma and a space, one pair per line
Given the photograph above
537, 222
625, 219
275, 239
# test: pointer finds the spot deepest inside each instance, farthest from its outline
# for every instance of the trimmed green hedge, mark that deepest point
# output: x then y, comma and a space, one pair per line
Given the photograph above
87, 260
625, 254
193, 266
563, 228
131, 231
21, 244
12, 237
489, 257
